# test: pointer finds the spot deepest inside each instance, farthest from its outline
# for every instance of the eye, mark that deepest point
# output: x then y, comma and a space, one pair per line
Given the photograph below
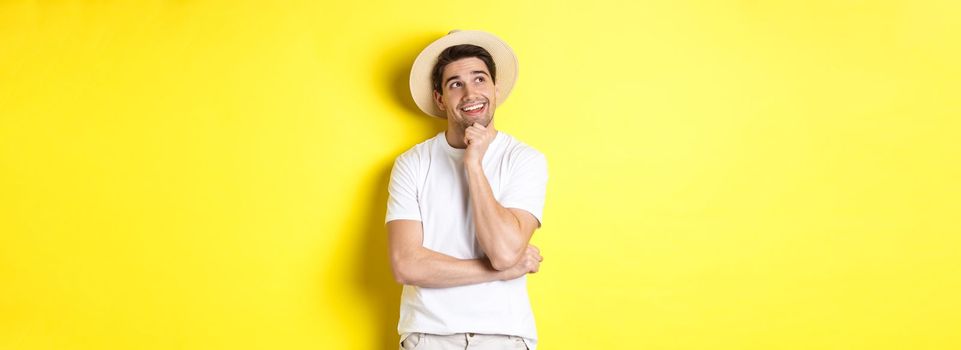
480, 79
454, 85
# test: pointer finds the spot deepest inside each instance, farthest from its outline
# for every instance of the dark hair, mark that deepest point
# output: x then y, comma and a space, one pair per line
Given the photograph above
455, 53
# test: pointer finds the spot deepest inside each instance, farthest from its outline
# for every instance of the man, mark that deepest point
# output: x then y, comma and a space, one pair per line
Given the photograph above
464, 204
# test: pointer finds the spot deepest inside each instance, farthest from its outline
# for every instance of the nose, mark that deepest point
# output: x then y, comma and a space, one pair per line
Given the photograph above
470, 91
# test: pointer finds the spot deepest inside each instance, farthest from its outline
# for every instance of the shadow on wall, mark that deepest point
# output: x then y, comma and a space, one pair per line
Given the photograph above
397, 62
370, 265
372, 272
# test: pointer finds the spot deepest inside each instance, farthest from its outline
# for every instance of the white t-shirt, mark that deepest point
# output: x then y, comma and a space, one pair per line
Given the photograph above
429, 184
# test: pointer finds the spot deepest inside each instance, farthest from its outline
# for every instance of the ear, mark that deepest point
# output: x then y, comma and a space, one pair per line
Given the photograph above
439, 100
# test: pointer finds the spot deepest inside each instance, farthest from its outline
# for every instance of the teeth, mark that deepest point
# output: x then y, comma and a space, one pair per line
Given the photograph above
474, 107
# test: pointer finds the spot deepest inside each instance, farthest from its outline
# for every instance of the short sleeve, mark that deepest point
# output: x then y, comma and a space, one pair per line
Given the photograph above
527, 186
402, 191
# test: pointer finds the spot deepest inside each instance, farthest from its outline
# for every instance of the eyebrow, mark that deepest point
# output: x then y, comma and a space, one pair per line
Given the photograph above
472, 72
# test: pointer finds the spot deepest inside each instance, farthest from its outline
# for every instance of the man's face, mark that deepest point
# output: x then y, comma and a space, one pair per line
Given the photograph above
469, 93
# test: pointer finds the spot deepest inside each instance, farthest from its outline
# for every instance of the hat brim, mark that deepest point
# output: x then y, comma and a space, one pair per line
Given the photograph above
421, 87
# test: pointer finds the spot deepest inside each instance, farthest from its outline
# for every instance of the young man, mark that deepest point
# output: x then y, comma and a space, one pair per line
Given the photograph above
464, 204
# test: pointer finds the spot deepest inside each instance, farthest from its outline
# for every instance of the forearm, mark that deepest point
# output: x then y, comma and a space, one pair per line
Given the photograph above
431, 269
497, 229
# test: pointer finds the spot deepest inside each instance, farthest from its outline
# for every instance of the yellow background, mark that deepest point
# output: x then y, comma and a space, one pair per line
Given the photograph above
724, 174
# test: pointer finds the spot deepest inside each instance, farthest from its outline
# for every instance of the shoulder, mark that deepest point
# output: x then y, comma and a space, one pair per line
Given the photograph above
418, 152
520, 151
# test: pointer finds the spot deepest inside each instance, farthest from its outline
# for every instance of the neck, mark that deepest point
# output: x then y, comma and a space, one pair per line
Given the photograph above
455, 137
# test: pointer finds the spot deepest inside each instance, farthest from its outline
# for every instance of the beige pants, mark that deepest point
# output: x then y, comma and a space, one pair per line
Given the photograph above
462, 341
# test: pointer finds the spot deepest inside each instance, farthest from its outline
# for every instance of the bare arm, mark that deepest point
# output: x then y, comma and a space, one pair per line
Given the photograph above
413, 264
503, 233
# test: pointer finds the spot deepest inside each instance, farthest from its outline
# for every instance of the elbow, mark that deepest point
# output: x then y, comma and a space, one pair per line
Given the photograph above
399, 277
504, 261
402, 272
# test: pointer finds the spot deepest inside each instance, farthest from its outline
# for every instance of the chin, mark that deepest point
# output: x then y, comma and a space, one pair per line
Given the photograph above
485, 121
468, 123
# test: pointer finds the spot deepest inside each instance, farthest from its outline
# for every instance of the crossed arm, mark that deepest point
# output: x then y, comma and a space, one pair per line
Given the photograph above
503, 234
413, 264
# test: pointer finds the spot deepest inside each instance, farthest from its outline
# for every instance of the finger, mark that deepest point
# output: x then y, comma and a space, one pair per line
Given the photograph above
471, 137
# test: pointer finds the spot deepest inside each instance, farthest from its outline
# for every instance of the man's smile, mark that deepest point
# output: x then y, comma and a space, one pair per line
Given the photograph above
475, 108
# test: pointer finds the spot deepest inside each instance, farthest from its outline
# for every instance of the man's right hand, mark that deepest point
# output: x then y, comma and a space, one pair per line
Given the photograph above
529, 263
